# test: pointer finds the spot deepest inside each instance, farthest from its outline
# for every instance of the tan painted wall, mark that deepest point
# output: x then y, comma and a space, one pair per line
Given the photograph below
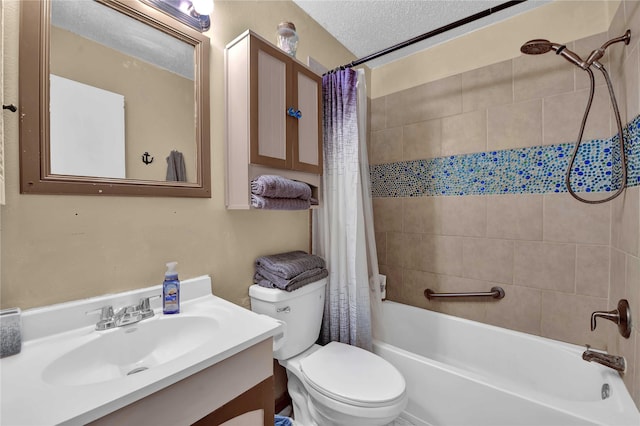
560, 21
60, 248
159, 104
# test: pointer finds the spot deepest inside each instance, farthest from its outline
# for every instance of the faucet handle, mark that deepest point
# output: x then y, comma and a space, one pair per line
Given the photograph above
610, 315
620, 316
106, 312
106, 317
145, 306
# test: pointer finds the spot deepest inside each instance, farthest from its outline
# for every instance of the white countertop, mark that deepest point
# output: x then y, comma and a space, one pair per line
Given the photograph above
26, 398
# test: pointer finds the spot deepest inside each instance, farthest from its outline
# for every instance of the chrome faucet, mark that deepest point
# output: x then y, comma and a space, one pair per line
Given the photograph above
618, 363
124, 316
127, 315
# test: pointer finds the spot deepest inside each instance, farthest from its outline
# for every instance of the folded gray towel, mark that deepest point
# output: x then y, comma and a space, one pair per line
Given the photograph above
274, 186
265, 279
267, 203
290, 264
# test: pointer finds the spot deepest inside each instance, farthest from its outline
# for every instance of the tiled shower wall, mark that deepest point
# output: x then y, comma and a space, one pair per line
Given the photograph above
558, 260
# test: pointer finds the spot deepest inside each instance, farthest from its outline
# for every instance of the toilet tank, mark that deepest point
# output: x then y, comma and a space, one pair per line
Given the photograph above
301, 310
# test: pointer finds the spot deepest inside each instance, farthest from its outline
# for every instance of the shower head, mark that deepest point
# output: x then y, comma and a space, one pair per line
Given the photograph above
536, 47
540, 46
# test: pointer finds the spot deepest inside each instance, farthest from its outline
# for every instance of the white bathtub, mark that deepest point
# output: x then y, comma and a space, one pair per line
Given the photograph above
461, 372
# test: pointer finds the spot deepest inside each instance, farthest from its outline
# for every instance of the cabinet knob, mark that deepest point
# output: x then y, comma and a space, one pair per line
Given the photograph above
295, 113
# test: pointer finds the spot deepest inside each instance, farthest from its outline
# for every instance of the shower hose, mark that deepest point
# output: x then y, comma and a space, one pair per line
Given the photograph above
623, 160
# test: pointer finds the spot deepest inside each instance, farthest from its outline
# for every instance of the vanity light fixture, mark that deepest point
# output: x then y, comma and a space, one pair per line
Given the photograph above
194, 13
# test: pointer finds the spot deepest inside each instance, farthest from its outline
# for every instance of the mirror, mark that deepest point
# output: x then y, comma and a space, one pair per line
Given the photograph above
114, 100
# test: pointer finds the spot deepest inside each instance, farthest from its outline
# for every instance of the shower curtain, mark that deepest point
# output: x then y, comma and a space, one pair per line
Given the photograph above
343, 227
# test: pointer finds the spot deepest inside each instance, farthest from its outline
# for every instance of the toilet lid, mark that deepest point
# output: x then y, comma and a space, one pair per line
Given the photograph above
352, 375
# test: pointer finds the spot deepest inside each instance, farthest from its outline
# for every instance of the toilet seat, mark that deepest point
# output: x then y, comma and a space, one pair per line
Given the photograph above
353, 376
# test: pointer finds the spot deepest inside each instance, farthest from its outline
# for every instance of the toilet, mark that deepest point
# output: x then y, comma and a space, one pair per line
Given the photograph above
335, 384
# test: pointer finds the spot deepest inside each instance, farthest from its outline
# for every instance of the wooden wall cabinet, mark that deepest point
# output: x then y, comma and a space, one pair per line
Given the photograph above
274, 117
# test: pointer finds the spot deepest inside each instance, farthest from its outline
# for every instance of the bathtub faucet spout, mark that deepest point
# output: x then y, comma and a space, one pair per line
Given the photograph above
618, 363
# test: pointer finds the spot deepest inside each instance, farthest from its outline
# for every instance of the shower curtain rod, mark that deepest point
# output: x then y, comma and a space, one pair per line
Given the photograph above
429, 34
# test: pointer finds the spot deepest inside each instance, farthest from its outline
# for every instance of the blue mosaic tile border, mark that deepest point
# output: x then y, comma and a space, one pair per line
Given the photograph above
515, 171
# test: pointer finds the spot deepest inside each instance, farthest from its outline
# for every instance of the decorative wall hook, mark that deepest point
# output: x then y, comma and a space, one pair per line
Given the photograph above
146, 158
10, 107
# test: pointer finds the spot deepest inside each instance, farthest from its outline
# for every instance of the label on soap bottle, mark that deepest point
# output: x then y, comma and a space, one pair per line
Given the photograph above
171, 297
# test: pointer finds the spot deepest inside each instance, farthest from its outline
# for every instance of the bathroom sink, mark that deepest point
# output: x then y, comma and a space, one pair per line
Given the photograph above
70, 373
128, 350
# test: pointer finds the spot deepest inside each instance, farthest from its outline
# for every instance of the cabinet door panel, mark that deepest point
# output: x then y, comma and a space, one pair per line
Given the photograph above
269, 145
307, 148
272, 134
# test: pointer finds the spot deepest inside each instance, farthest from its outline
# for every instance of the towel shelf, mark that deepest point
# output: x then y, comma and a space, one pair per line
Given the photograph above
495, 293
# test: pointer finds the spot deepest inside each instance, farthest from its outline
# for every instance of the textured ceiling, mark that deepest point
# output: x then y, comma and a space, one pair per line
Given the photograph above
104, 25
367, 26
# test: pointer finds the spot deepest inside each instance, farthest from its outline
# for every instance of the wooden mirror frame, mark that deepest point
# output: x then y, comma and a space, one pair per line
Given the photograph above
35, 176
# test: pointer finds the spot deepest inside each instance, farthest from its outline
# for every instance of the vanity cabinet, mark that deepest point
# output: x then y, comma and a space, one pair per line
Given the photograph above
274, 116
235, 391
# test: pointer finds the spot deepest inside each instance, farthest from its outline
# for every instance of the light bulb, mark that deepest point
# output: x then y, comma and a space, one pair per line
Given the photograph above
203, 7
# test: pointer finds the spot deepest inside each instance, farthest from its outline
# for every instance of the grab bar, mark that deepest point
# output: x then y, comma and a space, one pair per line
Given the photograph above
496, 293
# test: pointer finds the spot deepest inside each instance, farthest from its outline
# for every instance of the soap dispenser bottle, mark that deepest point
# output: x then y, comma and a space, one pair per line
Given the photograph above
171, 290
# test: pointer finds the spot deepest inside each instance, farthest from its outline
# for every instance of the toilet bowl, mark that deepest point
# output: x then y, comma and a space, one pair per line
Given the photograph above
346, 385
335, 384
